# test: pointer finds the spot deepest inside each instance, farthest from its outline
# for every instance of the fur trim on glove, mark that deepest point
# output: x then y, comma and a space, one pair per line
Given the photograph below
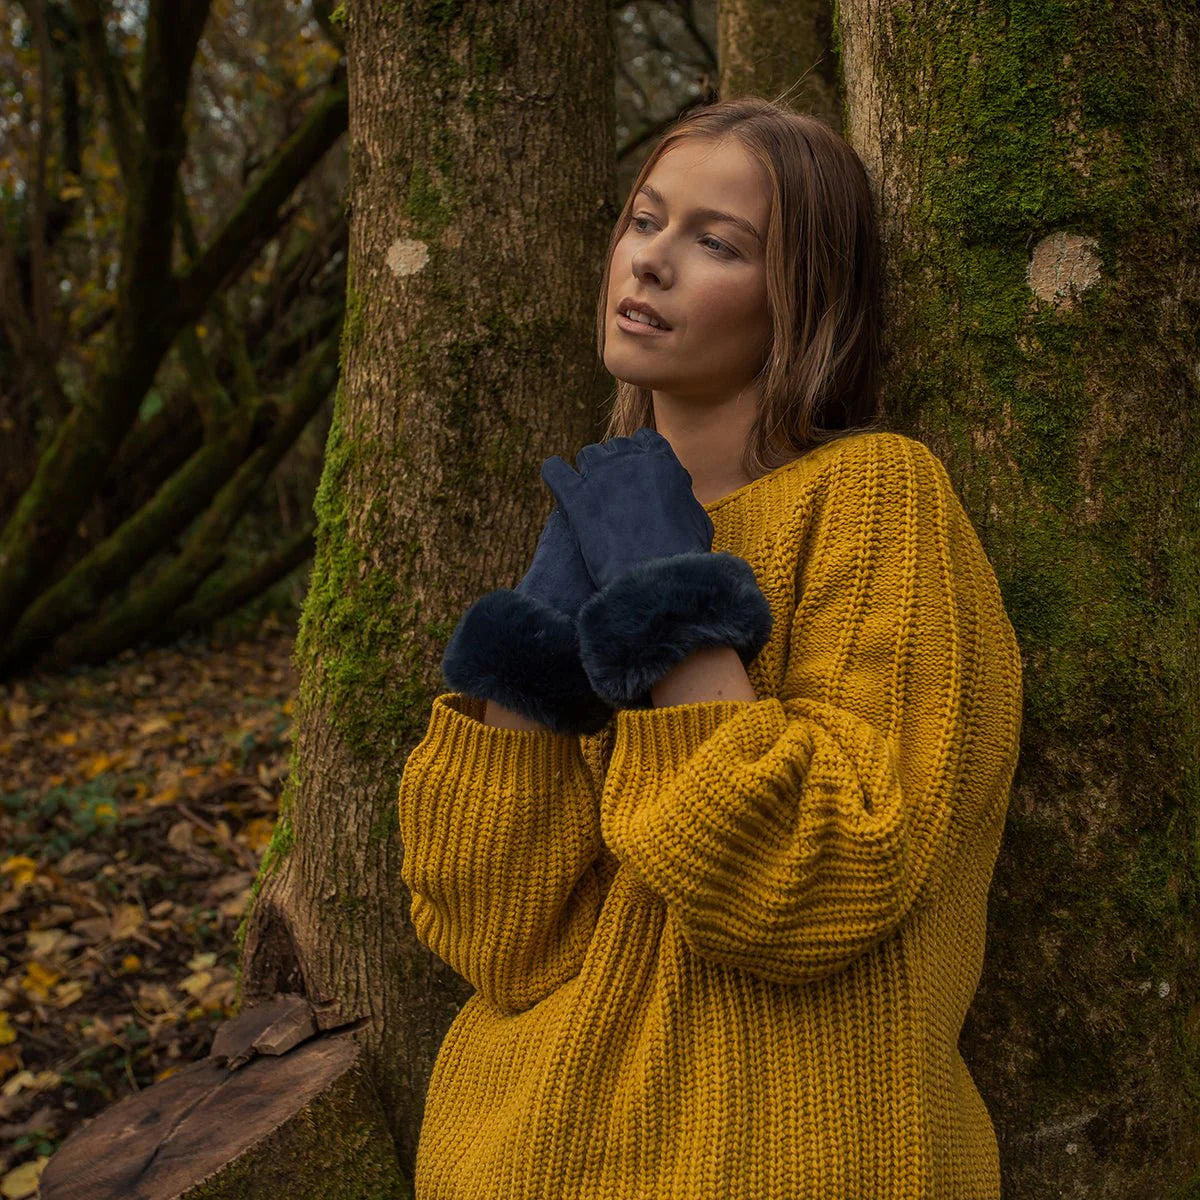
523, 654
646, 621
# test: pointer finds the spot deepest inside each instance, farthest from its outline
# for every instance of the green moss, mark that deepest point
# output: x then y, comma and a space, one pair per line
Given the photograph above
387, 823
353, 651
440, 13
352, 326
338, 16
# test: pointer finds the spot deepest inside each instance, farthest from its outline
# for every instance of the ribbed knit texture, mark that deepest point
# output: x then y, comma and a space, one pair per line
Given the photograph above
723, 951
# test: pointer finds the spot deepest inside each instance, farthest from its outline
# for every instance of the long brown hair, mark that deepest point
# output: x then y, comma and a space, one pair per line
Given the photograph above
820, 376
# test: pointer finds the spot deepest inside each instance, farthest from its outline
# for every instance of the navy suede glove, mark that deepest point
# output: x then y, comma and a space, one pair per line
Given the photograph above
558, 575
661, 591
520, 646
628, 500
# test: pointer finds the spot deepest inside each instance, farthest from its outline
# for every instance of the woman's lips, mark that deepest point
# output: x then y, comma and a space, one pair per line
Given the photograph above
636, 327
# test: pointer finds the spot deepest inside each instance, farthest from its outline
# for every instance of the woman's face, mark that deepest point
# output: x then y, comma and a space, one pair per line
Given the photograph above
704, 275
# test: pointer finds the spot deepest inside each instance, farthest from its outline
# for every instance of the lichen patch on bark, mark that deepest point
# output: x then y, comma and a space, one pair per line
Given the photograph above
1062, 265
407, 256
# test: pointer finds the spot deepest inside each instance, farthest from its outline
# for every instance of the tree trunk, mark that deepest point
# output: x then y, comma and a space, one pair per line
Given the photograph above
780, 51
482, 181
1039, 194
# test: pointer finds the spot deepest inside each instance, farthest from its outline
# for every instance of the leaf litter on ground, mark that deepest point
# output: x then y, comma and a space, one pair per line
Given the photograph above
136, 802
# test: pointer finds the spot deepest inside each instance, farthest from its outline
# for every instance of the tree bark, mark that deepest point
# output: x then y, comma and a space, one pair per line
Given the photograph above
780, 51
482, 181
1040, 217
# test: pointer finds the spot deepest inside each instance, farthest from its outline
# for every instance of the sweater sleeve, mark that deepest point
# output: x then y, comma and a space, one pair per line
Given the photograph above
502, 852
791, 834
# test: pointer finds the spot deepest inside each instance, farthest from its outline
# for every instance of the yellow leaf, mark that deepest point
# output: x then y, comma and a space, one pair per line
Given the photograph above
196, 985
28, 1081
167, 796
201, 962
22, 1181
166, 1073
99, 763
256, 833
21, 868
7, 1033
38, 980
67, 737
130, 962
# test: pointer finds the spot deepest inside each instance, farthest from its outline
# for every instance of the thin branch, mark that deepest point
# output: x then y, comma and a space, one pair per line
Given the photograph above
37, 219
110, 79
258, 207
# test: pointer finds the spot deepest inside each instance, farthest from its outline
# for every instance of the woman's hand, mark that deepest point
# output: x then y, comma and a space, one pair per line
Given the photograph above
557, 575
628, 500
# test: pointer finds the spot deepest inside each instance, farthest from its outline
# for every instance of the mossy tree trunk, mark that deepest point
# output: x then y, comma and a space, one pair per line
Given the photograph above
780, 50
1039, 167
482, 181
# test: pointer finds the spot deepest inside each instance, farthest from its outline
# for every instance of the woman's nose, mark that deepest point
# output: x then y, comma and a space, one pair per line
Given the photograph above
651, 264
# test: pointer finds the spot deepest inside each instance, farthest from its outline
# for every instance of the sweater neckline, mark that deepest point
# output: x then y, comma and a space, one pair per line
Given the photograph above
747, 488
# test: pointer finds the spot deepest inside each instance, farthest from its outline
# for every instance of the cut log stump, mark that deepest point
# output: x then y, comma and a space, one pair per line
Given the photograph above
279, 1107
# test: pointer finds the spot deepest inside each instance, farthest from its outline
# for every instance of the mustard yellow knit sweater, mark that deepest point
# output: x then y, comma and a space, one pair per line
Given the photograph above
723, 951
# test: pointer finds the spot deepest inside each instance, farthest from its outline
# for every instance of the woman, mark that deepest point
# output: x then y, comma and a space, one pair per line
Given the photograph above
710, 818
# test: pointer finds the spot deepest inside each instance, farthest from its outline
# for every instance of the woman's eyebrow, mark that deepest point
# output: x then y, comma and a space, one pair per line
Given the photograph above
711, 214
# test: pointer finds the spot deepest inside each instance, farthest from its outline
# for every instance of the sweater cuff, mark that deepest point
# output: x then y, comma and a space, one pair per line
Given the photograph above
660, 740
458, 736
644, 622
651, 747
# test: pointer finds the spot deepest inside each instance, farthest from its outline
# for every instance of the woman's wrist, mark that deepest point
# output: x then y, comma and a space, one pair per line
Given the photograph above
710, 673
505, 718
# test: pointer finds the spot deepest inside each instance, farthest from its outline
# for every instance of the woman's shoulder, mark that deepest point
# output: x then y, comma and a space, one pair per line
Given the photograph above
859, 465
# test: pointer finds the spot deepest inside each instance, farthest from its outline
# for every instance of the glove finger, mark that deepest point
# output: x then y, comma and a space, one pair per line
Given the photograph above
589, 456
651, 439
559, 478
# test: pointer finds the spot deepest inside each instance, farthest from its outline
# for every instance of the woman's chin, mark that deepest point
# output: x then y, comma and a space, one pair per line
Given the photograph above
619, 367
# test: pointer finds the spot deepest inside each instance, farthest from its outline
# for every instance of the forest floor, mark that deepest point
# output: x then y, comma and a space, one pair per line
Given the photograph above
136, 800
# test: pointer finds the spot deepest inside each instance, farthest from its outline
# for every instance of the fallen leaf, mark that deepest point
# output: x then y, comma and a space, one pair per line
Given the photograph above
27, 1081
22, 1181
154, 997
67, 993
179, 836
167, 796
126, 921
256, 833
196, 984
39, 980
21, 868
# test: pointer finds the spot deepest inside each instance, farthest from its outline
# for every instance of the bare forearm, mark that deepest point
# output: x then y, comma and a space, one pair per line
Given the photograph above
714, 673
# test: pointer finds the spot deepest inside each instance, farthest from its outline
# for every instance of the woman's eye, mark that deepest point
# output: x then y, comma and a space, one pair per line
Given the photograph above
719, 245
637, 222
